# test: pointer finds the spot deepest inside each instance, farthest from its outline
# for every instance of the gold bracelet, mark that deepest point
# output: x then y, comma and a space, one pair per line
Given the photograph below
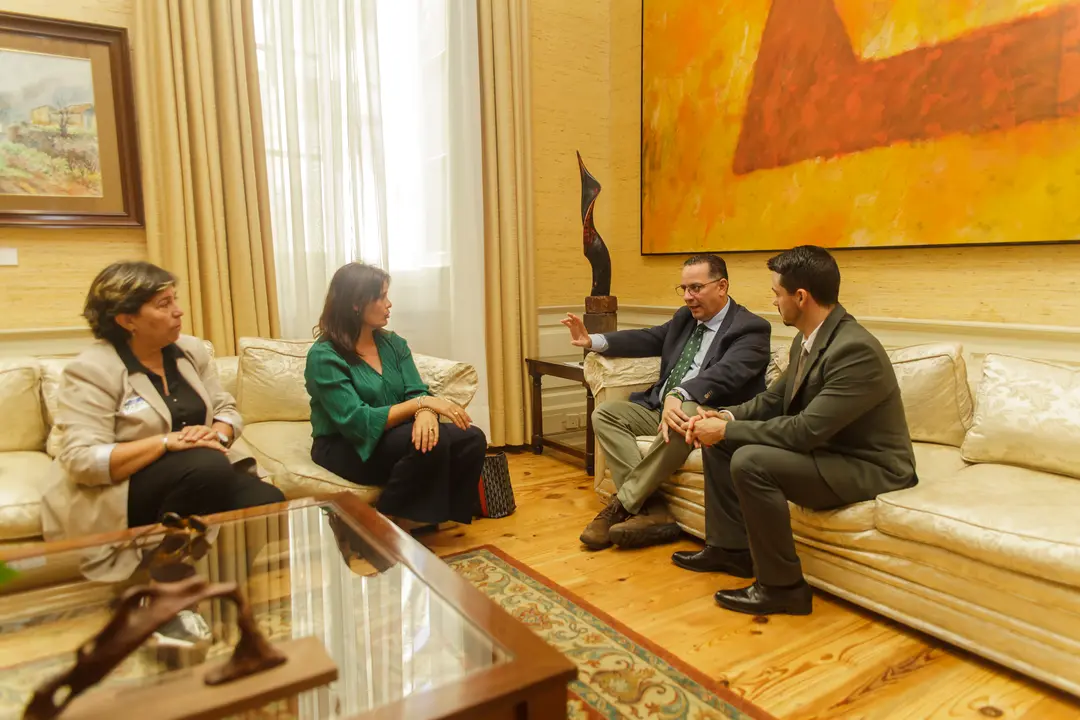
424, 409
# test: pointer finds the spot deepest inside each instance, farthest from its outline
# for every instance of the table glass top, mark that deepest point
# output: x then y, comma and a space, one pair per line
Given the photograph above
305, 572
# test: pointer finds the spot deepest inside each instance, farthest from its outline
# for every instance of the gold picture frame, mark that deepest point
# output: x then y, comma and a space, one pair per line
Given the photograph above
68, 144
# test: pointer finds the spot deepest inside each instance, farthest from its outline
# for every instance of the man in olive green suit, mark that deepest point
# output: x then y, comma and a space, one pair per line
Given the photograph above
830, 432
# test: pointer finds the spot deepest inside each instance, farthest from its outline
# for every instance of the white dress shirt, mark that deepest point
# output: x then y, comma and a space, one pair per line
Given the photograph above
808, 340
712, 326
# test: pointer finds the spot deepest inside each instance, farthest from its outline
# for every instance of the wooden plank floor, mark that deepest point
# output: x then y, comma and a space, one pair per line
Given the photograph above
840, 662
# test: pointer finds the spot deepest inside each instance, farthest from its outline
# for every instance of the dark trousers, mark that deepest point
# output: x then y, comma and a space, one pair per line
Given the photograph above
199, 481
433, 487
747, 490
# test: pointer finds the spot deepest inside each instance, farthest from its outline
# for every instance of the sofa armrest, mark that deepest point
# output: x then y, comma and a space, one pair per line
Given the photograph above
614, 372
450, 379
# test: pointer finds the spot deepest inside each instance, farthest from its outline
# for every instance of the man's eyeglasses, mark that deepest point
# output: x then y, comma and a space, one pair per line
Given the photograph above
694, 289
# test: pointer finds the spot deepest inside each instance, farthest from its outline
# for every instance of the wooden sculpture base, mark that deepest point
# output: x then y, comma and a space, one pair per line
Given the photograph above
601, 314
185, 695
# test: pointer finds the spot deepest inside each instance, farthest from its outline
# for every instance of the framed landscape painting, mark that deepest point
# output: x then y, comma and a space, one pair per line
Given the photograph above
859, 123
68, 147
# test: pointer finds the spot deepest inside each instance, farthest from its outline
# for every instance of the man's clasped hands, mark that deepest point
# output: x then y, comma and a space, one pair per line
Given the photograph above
706, 428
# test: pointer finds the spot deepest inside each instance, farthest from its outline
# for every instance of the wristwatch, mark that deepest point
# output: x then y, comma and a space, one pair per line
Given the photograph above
223, 439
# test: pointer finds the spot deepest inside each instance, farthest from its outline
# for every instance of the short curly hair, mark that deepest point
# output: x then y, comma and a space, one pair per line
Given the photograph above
122, 288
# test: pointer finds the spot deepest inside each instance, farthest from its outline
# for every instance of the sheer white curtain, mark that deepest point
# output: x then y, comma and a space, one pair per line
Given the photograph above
372, 125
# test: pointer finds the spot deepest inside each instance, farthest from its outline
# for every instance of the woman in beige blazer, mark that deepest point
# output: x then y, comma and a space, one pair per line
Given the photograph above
145, 426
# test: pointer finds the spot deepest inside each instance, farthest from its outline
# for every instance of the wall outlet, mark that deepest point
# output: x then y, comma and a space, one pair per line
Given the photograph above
9, 256
571, 422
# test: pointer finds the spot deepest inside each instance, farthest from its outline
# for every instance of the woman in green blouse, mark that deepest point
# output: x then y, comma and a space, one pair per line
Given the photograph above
373, 420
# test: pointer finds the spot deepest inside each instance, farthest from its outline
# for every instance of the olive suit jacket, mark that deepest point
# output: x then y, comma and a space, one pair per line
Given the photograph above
844, 409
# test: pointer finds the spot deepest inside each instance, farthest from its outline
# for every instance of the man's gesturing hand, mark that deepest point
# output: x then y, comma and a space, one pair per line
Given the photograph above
579, 336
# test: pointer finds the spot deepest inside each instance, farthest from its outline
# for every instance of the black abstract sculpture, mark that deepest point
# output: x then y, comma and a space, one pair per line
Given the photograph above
595, 250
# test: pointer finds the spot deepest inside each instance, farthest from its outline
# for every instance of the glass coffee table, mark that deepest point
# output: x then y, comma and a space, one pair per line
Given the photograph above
410, 638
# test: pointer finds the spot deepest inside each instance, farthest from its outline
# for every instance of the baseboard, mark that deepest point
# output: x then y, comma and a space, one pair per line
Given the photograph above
44, 342
1041, 342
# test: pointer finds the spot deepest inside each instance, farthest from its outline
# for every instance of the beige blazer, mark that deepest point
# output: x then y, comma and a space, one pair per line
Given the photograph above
101, 405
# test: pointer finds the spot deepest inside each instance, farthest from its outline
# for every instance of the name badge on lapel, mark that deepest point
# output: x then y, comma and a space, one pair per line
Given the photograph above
133, 405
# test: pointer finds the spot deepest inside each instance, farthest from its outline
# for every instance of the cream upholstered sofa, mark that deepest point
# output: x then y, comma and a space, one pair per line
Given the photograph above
984, 552
267, 380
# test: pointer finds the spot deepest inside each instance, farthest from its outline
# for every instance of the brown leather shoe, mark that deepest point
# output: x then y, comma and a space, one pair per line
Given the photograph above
595, 536
654, 525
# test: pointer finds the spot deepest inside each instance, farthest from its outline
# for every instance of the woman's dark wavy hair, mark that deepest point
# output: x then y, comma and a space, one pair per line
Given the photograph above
353, 287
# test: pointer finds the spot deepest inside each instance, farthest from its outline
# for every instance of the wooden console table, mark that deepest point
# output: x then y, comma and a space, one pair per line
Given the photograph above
538, 368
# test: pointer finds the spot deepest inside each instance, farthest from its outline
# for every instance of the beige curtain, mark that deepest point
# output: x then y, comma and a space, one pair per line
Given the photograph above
204, 170
510, 302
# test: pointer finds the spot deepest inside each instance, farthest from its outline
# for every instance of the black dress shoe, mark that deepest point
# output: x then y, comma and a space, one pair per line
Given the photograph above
761, 600
714, 559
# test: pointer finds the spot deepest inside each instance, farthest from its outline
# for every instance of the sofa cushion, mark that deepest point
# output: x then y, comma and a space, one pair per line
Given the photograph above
933, 463
934, 388
1012, 518
456, 381
936, 462
227, 369
270, 382
283, 449
1027, 414
271, 386
778, 362
20, 406
22, 477
52, 372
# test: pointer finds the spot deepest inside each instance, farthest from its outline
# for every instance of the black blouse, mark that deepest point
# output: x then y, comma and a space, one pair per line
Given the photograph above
185, 405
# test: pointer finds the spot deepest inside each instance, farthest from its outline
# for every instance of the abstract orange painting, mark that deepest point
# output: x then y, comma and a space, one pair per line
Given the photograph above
859, 123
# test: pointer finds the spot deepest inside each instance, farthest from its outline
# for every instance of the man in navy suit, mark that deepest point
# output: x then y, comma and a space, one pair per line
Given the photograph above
713, 352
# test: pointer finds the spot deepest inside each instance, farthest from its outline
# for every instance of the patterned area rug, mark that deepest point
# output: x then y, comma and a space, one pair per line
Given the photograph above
620, 673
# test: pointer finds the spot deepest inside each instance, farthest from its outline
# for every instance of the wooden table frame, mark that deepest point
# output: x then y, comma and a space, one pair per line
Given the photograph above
529, 686
537, 370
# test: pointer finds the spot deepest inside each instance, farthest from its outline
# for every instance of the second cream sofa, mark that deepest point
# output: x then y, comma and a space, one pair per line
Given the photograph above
267, 380
984, 552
